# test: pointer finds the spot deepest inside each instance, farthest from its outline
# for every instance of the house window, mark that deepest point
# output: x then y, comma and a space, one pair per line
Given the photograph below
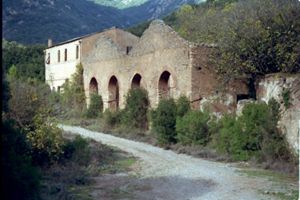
48, 59
77, 51
58, 56
66, 54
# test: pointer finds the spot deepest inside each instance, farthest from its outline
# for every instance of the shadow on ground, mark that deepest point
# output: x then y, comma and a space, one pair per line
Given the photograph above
122, 186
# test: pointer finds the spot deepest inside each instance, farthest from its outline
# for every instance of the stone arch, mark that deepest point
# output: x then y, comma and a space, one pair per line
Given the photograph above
113, 90
93, 88
136, 81
164, 85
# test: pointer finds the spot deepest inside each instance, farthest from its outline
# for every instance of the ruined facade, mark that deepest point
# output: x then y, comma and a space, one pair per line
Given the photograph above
160, 61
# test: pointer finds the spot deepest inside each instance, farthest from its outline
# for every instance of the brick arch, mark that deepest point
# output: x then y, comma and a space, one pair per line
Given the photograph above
136, 81
93, 86
165, 84
113, 91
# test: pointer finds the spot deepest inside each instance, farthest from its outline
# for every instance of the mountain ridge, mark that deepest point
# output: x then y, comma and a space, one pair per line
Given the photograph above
34, 21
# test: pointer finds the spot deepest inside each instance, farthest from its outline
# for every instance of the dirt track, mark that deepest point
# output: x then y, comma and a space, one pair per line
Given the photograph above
166, 175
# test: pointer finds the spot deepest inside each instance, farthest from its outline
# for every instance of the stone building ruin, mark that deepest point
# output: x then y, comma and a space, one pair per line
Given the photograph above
160, 61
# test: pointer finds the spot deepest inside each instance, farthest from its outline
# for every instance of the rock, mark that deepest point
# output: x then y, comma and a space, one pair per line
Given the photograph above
241, 104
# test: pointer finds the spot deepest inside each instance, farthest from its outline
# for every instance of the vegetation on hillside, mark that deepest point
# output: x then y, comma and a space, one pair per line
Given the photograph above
24, 62
253, 37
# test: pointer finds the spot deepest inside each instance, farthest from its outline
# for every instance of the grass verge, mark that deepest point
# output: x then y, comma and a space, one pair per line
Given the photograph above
73, 177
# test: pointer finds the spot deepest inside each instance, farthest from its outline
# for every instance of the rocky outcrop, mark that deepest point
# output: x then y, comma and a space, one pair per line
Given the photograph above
274, 86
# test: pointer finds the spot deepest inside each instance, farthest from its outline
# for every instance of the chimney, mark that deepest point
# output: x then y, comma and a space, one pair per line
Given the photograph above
49, 43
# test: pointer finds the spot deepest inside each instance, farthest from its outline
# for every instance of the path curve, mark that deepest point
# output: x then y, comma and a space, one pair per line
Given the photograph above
177, 176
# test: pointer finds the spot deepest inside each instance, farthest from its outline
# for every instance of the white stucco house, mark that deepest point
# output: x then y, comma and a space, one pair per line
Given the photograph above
60, 62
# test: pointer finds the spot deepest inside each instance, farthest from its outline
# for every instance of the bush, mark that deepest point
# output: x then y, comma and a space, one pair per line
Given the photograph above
183, 106
45, 139
254, 133
96, 106
19, 178
73, 97
232, 139
78, 150
136, 109
286, 96
25, 100
193, 128
112, 118
164, 121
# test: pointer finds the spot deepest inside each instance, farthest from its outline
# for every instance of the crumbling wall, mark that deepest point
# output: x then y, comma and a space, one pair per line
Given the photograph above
273, 86
159, 49
209, 91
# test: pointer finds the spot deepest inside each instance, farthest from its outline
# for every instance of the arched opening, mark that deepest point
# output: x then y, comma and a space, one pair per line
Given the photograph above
93, 86
164, 85
136, 81
113, 89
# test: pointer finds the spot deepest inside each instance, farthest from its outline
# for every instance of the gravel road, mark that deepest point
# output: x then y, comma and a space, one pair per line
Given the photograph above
166, 175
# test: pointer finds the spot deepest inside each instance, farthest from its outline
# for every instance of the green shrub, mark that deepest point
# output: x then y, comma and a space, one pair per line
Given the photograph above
274, 107
26, 98
112, 118
96, 106
254, 133
136, 109
78, 150
45, 139
193, 128
242, 137
232, 139
73, 97
164, 121
19, 178
286, 96
183, 106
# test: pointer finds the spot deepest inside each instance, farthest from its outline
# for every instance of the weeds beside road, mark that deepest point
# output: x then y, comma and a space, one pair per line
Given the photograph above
166, 175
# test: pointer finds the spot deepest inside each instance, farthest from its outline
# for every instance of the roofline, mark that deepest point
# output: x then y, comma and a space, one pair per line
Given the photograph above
81, 37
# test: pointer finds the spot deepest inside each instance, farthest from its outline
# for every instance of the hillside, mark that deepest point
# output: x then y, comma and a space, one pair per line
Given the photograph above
34, 21
253, 37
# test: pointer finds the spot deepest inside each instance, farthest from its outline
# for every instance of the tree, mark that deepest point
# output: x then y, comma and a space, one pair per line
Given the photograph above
26, 98
19, 178
182, 106
96, 106
164, 121
27, 60
136, 109
261, 37
252, 37
73, 96
193, 128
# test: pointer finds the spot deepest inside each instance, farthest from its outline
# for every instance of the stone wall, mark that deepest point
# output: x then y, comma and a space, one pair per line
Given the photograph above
158, 50
208, 89
272, 86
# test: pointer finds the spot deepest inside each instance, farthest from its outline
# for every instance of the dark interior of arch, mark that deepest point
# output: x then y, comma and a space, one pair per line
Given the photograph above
136, 81
93, 86
163, 85
113, 88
